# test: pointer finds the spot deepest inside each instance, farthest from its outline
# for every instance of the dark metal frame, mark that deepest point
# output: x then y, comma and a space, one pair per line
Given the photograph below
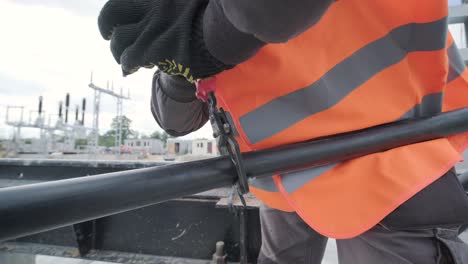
46, 206
71, 201
150, 231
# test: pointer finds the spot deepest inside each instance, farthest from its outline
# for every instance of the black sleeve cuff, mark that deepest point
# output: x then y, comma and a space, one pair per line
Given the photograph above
177, 88
175, 107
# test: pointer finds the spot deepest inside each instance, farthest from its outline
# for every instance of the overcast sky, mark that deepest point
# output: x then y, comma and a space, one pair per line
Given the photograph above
49, 48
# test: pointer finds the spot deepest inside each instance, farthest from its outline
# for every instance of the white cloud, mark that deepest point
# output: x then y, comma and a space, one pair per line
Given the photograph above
56, 49
82, 7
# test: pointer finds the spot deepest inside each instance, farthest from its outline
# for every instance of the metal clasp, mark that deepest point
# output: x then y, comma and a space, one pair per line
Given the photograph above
223, 131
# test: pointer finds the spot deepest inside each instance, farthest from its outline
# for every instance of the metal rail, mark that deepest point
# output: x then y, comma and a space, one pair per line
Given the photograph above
31, 209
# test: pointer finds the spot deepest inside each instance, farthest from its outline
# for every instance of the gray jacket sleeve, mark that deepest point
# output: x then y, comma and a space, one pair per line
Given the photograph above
175, 106
234, 31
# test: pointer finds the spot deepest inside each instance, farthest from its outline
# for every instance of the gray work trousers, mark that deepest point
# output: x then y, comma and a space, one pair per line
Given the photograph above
287, 239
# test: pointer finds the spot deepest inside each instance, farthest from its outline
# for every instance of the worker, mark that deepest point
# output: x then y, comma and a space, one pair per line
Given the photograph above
291, 71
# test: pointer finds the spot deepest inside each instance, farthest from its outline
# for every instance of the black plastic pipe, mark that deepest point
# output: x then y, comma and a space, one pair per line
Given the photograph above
30, 209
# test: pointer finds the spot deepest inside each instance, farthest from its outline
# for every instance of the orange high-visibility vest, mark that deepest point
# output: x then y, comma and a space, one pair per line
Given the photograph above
362, 64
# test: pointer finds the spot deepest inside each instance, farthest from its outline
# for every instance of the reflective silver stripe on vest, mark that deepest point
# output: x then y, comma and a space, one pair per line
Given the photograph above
294, 180
431, 104
291, 180
283, 112
456, 63
265, 183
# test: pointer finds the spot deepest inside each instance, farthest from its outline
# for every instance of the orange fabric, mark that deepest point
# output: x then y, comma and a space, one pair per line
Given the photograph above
272, 199
352, 201
346, 27
456, 96
355, 195
370, 105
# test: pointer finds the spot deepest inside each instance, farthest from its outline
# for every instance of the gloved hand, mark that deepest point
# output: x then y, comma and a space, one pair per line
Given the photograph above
165, 33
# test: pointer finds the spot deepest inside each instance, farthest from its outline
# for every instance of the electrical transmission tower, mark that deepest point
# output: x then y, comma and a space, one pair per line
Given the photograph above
97, 101
17, 126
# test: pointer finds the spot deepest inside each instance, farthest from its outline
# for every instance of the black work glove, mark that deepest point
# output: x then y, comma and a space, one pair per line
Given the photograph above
165, 33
